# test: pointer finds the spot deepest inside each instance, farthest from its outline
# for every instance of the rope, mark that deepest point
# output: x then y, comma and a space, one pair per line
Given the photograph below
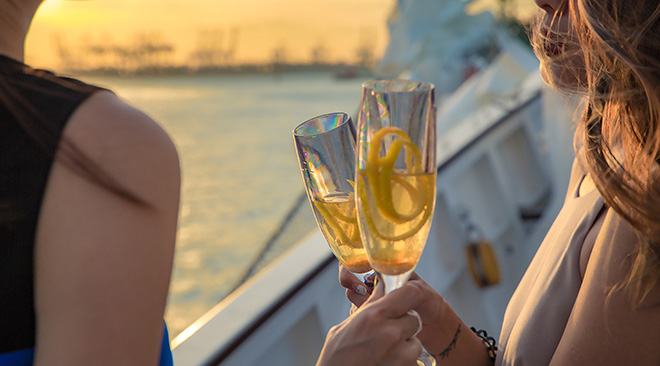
271, 240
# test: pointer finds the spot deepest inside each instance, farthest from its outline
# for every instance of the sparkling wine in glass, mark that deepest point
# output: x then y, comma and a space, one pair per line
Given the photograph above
326, 152
396, 171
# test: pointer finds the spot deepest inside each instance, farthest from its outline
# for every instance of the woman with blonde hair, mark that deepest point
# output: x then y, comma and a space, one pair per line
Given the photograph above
591, 295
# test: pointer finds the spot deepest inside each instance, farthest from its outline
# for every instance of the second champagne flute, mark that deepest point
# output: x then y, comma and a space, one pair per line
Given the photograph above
326, 153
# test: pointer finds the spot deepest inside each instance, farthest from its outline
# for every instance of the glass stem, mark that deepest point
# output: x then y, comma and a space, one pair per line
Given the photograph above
394, 282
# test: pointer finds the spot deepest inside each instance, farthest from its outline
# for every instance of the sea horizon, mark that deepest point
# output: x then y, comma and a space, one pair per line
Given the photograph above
239, 169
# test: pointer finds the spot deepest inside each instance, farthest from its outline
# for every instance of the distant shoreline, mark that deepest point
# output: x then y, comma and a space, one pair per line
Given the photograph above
340, 71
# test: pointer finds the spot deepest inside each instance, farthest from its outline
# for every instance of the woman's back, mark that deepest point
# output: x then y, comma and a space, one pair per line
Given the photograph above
24, 168
103, 242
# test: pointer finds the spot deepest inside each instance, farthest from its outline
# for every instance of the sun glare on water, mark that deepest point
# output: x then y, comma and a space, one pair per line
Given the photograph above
70, 14
49, 7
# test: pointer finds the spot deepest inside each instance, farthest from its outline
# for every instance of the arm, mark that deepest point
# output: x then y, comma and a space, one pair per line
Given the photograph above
605, 327
103, 263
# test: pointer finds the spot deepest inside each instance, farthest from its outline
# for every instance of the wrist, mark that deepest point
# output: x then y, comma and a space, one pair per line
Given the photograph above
459, 345
489, 342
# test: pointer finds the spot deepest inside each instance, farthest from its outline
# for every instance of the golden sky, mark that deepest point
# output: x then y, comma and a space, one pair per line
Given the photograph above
258, 26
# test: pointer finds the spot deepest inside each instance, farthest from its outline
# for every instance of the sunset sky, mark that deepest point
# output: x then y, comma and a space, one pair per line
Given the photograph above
259, 27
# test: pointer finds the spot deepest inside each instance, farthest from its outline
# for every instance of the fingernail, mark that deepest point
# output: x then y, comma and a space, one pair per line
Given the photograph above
360, 289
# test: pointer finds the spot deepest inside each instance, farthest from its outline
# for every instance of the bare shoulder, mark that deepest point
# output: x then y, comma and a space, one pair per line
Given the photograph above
102, 262
106, 112
127, 143
607, 326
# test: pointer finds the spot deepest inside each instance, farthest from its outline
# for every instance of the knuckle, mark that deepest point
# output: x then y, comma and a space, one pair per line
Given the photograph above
362, 319
415, 289
346, 280
423, 292
413, 350
372, 315
377, 311
390, 335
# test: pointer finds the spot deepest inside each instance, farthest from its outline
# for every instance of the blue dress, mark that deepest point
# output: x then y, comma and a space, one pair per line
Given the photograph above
26, 357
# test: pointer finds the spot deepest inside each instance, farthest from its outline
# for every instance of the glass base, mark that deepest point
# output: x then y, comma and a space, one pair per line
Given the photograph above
425, 359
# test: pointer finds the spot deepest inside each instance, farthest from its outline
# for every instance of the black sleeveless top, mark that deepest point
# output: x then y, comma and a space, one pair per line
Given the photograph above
45, 102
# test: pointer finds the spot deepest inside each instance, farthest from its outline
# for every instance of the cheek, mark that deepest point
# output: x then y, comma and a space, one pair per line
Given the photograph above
557, 22
563, 24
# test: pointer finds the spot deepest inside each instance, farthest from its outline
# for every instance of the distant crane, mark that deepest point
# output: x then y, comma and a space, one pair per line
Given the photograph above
211, 51
319, 54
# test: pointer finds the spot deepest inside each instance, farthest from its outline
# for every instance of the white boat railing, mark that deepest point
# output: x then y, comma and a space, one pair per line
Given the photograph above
494, 172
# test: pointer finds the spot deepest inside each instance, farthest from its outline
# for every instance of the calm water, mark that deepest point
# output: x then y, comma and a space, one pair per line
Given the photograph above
240, 174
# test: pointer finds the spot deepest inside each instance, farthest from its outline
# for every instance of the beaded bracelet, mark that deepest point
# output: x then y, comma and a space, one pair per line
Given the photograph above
489, 342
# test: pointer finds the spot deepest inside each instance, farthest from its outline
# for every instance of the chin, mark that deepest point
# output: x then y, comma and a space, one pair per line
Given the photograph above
543, 70
550, 75
562, 77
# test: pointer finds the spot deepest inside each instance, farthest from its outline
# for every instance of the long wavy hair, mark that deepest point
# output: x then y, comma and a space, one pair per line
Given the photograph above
610, 53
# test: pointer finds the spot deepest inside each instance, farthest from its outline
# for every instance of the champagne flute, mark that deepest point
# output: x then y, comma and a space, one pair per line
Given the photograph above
326, 153
396, 171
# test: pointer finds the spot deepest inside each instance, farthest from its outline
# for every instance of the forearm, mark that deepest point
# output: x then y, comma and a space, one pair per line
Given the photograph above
454, 345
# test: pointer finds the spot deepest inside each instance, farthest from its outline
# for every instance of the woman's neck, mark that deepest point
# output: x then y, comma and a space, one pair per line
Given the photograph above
15, 19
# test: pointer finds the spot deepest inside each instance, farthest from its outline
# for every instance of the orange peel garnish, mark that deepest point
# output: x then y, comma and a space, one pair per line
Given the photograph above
379, 176
331, 215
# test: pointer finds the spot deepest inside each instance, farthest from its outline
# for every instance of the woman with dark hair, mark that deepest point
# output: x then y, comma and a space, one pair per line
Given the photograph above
591, 295
89, 197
